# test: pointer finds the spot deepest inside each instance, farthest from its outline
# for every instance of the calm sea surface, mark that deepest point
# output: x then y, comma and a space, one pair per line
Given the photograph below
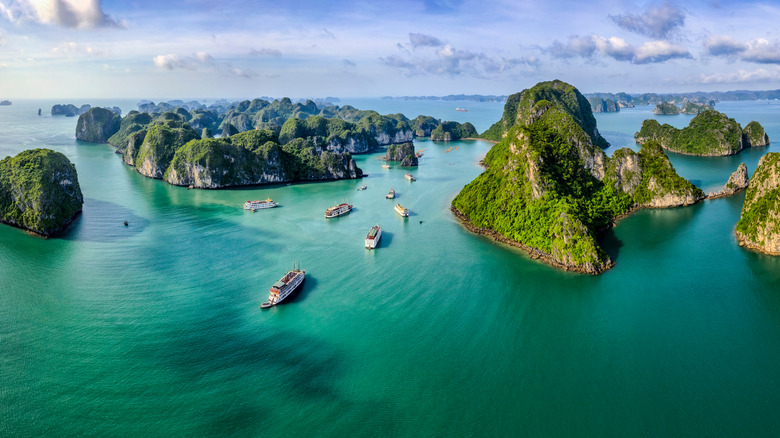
155, 329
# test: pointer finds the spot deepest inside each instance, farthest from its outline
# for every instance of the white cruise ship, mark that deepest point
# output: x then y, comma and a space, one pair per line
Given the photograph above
338, 210
401, 210
373, 236
256, 205
284, 287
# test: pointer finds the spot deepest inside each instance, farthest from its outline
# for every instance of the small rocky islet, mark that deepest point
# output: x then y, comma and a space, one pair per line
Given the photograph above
758, 228
39, 191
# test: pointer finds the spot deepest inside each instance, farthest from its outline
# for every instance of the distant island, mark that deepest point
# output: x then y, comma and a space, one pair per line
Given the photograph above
666, 109
710, 133
259, 142
5, 102
454, 97
39, 191
550, 189
700, 97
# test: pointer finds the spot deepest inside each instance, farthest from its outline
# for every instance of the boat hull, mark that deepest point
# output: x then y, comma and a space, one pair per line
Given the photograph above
279, 294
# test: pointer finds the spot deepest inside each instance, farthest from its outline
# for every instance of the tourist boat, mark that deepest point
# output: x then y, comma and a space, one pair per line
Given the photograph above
401, 210
284, 287
256, 205
390, 194
410, 177
338, 210
461, 109
418, 154
385, 166
363, 187
373, 236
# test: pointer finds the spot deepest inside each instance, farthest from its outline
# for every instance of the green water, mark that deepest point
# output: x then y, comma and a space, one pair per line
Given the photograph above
155, 329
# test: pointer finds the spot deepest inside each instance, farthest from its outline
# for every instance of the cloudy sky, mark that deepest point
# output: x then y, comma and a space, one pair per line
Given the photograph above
318, 48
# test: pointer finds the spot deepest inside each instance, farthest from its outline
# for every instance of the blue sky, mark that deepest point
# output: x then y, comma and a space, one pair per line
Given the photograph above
244, 49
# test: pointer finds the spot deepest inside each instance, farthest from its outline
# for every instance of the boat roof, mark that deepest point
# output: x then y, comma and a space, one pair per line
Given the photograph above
279, 284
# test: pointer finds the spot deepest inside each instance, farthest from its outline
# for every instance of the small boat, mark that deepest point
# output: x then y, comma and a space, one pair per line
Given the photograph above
190, 187
401, 210
338, 210
256, 205
363, 187
125, 223
373, 236
390, 194
284, 287
418, 154
461, 109
410, 177
385, 166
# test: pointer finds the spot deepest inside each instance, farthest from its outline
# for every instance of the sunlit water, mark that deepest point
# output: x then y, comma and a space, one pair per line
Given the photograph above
155, 329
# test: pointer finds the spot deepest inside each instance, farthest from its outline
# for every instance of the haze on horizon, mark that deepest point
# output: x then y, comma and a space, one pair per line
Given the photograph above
298, 48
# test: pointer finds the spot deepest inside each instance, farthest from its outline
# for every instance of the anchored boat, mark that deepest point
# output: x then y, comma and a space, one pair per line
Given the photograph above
390, 194
338, 210
256, 205
284, 287
401, 210
410, 177
373, 236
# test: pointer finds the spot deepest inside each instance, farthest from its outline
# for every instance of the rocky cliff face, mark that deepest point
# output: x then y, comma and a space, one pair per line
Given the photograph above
550, 189
39, 191
754, 135
759, 224
402, 152
599, 105
158, 148
97, 125
738, 181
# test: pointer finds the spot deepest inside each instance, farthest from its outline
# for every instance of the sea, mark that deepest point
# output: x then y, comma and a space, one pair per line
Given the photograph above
155, 328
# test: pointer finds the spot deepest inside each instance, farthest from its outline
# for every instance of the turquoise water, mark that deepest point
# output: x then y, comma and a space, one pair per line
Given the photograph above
155, 329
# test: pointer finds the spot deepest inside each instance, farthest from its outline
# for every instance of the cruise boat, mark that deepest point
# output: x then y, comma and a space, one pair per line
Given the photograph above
401, 210
338, 210
390, 194
461, 109
373, 236
363, 187
410, 177
284, 287
256, 205
385, 166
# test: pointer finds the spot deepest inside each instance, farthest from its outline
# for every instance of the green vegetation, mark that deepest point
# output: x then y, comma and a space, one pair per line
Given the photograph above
709, 133
754, 135
758, 226
550, 187
452, 131
695, 108
39, 191
667, 109
97, 125
560, 94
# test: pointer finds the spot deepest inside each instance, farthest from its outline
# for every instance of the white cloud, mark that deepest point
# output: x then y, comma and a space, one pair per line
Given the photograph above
65, 13
659, 51
71, 49
655, 22
618, 49
170, 62
740, 76
759, 51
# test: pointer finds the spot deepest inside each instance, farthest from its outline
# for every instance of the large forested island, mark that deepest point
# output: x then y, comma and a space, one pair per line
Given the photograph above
759, 223
550, 188
260, 142
710, 133
39, 191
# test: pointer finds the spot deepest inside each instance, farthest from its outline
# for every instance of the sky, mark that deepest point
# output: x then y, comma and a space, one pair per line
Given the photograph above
298, 48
